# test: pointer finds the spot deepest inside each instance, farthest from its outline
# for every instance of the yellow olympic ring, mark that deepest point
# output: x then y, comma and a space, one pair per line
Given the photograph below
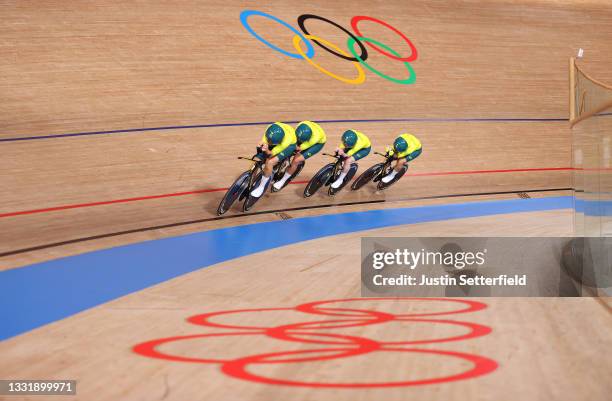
356, 81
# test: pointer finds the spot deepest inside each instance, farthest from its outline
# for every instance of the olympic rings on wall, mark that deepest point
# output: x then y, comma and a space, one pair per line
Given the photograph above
360, 78
353, 38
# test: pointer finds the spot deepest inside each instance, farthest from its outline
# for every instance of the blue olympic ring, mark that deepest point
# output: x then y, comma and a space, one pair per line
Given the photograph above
244, 15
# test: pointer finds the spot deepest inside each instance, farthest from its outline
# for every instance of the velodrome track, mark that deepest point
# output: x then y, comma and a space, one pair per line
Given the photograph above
96, 345
119, 128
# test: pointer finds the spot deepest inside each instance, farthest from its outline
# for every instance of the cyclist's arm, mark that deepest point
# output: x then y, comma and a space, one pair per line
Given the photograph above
309, 143
287, 141
411, 148
277, 149
316, 138
352, 151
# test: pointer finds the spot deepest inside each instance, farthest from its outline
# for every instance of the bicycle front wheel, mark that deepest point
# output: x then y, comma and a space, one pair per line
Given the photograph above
367, 176
250, 200
349, 176
234, 191
319, 179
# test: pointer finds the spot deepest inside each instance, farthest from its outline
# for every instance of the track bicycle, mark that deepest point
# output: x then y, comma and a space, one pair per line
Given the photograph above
378, 171
243, 185
328, 174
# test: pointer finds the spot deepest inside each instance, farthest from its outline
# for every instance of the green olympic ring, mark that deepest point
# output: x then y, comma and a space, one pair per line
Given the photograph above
410, 80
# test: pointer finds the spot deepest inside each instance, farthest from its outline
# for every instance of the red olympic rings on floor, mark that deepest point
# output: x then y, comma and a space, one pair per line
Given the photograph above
338, 345
480, 366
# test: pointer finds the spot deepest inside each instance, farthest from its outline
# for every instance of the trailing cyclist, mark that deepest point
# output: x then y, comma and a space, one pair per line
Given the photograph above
406, 148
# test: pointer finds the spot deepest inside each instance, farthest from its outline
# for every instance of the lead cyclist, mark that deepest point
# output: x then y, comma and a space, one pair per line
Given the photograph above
278, 143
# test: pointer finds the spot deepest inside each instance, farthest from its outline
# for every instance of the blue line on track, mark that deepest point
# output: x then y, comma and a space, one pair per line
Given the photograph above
594, 208
244, 124
42, 293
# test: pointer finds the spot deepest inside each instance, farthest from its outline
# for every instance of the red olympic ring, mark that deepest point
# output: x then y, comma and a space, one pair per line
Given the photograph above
476, 330
238, 369
342, 345
311, 307
413, 56
204, 319
149, 348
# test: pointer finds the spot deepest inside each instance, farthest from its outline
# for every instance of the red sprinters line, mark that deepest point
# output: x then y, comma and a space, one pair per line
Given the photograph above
201, 191
110, 202
518, 170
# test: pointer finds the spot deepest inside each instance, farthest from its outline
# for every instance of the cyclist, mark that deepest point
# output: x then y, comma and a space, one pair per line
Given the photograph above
355, 145
310, 140
278, 143
406, 147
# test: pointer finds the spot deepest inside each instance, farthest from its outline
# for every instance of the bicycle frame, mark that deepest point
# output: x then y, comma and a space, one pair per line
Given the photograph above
388, 160
339, 161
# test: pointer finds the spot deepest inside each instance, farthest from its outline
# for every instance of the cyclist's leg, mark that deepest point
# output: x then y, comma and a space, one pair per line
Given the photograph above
347, 165
268, 169
399, 165
361, 154
297, 159
265, 178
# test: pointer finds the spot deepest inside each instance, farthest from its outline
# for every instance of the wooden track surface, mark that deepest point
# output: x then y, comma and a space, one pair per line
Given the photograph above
143, 165
552, 347
102, 66
52, 248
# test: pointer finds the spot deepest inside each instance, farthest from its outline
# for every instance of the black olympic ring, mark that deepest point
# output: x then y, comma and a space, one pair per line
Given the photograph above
364, 53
